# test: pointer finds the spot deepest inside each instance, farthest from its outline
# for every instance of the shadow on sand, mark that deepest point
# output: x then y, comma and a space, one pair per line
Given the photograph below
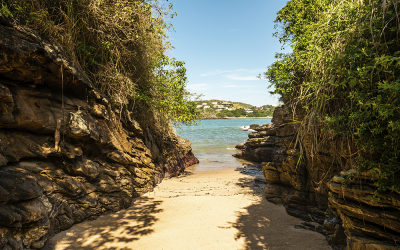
125, 226
264, 225
253, 224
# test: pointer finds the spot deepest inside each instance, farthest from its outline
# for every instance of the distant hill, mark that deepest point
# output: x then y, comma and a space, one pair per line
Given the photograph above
237, 105
241, 105
215, 108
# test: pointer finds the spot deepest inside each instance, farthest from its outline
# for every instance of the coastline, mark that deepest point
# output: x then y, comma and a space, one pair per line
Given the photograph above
268, 117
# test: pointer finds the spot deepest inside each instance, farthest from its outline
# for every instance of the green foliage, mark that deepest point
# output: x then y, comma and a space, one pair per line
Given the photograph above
169, 89
344, 73
5, 11
260, 114
239, 106
120, 44
232, 113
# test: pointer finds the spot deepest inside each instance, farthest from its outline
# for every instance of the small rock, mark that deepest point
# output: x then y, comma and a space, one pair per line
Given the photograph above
77, 125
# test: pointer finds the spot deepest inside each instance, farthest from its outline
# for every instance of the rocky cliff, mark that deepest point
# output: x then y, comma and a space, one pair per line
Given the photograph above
66, 154
318, 188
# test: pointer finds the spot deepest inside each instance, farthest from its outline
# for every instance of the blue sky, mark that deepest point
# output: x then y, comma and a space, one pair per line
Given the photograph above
226, 44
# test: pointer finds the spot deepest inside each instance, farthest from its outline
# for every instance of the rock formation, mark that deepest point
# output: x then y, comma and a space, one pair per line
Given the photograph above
318, 188
66, 155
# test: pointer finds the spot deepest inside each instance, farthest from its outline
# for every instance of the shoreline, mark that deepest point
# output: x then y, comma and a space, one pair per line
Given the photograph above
268, 117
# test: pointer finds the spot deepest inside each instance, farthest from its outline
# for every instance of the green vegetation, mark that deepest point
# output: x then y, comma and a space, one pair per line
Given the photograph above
344, 73
241, 105
121, 45
260, 114
233, 109
231, 113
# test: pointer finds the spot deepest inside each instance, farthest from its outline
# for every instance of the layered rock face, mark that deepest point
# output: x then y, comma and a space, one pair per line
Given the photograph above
316, 188
66, 155
369, 223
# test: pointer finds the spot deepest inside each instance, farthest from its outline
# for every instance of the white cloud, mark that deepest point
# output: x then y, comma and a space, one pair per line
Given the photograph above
198, 86
236, 77
234, 71
232, 86
238, 86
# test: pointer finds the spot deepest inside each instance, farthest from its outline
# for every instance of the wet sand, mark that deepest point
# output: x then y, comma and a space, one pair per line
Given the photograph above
223, 209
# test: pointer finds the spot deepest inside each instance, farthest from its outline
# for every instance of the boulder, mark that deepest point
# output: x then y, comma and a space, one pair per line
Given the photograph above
241, 147
77, 125
265, 127
277, 117
253, 126
261, 142
287, 130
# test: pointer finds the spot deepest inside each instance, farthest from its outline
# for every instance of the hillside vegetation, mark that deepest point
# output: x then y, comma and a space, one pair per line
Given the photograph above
212, 109
121, 45
344, 75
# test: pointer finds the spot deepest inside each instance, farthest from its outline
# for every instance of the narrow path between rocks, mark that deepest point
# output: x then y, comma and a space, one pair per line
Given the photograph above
223, 209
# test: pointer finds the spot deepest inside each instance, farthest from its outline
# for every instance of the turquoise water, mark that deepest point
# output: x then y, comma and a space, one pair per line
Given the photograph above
214, 141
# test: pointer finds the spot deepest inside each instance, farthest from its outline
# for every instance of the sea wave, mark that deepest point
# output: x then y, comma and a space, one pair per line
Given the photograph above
246, 128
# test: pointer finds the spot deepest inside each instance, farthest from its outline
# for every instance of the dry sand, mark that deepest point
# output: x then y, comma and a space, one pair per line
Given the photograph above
223, 209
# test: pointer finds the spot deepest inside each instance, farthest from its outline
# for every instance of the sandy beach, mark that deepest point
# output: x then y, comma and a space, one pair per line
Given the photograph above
223, 209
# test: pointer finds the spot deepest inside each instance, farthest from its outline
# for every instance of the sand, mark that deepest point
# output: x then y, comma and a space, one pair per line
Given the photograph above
223, 209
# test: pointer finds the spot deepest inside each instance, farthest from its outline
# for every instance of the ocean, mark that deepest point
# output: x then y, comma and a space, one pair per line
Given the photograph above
214, 141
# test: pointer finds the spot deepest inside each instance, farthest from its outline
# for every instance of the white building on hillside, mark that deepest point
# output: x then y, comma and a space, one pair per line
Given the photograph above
249, 110
206, 107
219, 106
199, 106
214, 103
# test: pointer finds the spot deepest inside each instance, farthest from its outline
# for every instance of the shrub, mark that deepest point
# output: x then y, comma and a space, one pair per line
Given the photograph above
120, 44
344, 74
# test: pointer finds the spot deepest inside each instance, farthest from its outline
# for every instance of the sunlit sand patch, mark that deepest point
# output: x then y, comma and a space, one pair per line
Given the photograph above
223, 209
